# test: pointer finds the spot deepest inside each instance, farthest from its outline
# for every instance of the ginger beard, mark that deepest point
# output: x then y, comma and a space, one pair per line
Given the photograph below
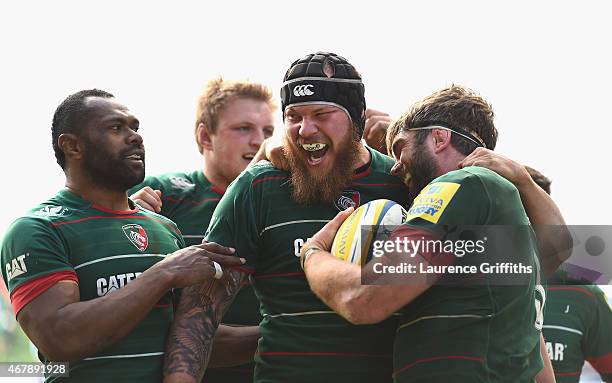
313, 184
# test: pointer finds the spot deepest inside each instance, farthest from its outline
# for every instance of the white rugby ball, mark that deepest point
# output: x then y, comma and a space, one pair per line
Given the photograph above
378, 218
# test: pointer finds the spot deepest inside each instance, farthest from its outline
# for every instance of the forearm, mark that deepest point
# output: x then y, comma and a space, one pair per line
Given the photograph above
234, 345
191, 336
338, 284
112, 316
546, 375
554, 239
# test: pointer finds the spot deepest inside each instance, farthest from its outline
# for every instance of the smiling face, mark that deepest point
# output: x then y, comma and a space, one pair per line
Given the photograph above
322, 149
414, 162
113, 155
242, 125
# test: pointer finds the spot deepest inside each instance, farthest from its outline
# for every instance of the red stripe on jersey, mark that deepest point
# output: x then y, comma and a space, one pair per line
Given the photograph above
195, 203
436, 358
107, 210
362, 174
398, 185
268, 179
26, 292
243, 269
343, 354
567, 373
217, 189
295, 274
570, 288
602, 364
118, 217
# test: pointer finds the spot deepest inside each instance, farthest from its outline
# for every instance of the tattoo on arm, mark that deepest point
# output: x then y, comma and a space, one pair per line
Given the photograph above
198, 315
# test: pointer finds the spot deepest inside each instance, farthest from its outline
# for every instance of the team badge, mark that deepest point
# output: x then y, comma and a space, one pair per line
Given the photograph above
349, 198
136, 234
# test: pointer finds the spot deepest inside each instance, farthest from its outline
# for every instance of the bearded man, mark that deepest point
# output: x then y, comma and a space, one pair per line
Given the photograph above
90, 273
267, 215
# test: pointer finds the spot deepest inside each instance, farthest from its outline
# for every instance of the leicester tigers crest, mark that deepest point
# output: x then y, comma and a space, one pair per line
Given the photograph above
136, 234
347, 199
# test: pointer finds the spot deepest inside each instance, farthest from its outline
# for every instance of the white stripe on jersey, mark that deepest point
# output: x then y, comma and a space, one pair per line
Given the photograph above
294, 222
306, 313
563, 328
451, 316
116, 257
299, 314
125, 356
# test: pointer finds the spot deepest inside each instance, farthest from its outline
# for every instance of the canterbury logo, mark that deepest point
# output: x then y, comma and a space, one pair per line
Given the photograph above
303, 90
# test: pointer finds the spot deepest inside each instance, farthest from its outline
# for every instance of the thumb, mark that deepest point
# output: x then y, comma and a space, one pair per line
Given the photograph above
339, 219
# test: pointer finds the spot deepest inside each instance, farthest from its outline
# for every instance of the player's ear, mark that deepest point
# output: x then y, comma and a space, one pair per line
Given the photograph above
203, 136
441, 139
71, 146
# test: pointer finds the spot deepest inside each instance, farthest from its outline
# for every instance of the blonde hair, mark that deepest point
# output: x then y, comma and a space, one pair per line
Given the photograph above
218, 93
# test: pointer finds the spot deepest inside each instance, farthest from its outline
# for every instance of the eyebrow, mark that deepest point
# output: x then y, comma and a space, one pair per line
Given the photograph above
119, 118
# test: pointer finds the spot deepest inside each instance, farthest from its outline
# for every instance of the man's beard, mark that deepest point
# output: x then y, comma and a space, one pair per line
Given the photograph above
108, 171
422, 169
312, 187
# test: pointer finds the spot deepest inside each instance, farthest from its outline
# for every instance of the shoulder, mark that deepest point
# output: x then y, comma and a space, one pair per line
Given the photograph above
168, 182
477, 177
380, 162
262, 174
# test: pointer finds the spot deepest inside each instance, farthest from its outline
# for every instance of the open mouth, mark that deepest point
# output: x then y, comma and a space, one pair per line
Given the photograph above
315, 152
249, 156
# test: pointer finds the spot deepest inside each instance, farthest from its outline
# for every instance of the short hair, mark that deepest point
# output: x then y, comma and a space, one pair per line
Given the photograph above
539, 178
456, 106
69, 116
218, 93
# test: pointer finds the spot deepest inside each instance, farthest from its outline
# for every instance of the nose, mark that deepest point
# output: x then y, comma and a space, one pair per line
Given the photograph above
134, 138
307, 127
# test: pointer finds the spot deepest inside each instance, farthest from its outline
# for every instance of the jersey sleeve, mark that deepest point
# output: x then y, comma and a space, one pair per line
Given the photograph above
458, 197
34, 259
597, 342
234, 221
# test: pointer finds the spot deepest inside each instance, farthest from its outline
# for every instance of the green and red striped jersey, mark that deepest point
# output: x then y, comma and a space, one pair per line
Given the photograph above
578, 327
472, 332
303, 340
69, 239
189, 199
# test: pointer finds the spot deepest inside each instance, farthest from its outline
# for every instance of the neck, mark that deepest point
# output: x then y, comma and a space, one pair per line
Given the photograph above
449, 162
364, 156
213, 175
97, 194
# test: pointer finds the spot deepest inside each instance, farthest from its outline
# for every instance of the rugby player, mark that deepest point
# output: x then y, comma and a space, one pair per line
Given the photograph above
267, 214
90, 273
232, 120
460, 333
577, 321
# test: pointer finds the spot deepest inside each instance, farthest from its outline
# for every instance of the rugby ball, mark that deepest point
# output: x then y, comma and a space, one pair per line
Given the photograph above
370, 222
